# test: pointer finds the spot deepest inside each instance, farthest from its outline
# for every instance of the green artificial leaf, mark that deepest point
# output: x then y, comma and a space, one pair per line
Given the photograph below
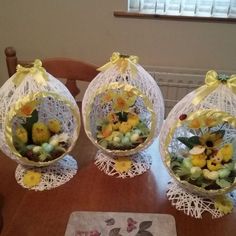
145, 225
103, 143
183, 171
220, 133
115, 232
223, 183
30, 121
231, 177
229, 166
19, 145
189, 142
123, 116
198, 181
175, 164
185, 141
194, 140
143, 128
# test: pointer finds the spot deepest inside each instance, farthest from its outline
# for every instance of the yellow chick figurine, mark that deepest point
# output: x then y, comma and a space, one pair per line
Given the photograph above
40, 133
21, 134
54, 126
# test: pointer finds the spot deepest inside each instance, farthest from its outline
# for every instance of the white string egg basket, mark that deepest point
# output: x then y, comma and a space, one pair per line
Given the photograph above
194, 137
34, 88
132, 126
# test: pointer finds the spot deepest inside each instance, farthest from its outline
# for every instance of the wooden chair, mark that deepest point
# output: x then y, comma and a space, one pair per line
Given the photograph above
62, 68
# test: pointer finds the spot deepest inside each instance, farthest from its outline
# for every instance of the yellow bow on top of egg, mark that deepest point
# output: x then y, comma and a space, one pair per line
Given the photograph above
212, 81
36, 71
123, 62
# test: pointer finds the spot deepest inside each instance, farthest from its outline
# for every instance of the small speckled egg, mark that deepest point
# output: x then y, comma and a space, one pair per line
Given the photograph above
223, 173
125, 140
138, 131
47, 147
116, 139
54, 142
134, 137
30, 147
37, 149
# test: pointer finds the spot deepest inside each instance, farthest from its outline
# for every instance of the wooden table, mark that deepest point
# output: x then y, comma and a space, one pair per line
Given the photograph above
29, 213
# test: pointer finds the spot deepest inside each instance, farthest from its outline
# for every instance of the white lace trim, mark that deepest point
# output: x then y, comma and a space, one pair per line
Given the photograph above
141, 162
191, 204
53, 176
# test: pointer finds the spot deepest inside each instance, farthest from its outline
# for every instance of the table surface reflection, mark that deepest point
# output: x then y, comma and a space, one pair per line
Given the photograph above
30, 213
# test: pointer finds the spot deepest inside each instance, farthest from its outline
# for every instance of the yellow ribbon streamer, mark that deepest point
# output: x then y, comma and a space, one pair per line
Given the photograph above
123, 62
212, 81
37, 72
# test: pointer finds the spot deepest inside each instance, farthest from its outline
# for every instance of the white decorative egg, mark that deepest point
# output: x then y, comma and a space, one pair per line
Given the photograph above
123, 97
29, 100
197, 140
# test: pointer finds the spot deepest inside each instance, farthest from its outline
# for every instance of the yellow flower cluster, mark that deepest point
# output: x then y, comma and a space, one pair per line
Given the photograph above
122, 100
115, 125
123, 164
31, 178
224, 204
215, 162
27, 109
199, 122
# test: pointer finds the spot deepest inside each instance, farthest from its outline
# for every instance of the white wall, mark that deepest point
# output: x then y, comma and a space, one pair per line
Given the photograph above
88, 30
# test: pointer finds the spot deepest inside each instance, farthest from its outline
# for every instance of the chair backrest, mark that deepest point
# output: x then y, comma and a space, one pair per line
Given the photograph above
62, 68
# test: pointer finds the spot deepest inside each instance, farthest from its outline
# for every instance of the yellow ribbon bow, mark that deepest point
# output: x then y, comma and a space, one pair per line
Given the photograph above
123, 62
212, 81
37, 72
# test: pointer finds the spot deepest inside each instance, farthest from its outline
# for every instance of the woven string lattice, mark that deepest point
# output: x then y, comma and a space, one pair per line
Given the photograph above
192, 204
141, 162
221, 99
52, 176
50, 106
141, 81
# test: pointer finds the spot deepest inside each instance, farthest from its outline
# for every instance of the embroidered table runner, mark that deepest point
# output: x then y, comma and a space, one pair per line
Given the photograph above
120, 224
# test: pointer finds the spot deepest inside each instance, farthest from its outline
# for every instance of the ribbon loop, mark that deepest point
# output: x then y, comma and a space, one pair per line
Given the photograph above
212, 81
123, 62
37, 72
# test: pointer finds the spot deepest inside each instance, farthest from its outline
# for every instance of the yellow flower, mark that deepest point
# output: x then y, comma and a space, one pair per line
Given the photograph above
108, 96
224, 204
112, 117
27, 109
195, 123
199, 160
210, 122
133, 119
226, 152
125, 127
210, 140
217, 158
213, 166
122, 164
31, 178
106, 130
130, 97
120, 104
116, 126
